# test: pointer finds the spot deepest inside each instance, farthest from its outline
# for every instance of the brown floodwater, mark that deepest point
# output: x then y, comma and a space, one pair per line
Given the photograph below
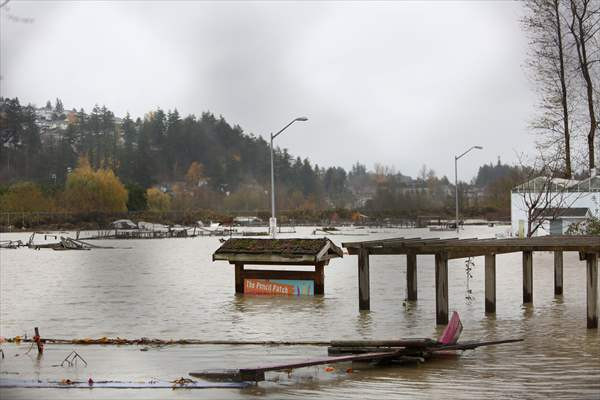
171, 289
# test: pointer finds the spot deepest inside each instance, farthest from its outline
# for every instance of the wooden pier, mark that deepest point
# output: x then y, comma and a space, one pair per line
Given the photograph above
588, 248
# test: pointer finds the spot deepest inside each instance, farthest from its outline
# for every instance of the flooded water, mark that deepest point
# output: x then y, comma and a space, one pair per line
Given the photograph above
171, 289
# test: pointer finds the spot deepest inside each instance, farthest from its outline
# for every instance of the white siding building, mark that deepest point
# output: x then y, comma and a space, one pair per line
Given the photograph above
564, 194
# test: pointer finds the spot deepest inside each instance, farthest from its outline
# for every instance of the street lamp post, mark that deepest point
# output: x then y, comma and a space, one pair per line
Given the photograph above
273, 220
456, 179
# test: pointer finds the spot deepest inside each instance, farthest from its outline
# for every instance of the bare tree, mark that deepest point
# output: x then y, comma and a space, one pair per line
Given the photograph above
548, 63
584, 26
544, 196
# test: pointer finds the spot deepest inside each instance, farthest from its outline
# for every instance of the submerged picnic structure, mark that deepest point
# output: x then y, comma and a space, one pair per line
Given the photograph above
285, 252
588, 248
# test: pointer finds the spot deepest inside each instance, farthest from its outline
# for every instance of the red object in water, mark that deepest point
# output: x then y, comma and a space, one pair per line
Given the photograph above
38, 340
452, 331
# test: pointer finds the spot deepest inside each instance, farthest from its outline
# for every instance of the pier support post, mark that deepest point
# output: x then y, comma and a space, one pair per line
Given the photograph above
364, 297
490, 283
558, 273
239, 278
592, 291
319, 279
411, 276
441, 289
527, 277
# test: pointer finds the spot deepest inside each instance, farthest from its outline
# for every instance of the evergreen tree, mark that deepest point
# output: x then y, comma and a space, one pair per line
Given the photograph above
58, 106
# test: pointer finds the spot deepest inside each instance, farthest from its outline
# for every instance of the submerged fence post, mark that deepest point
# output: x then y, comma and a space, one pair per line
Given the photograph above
441, 289
411, 276
527, 277
490, 283
592, 291
364, 297
558, 273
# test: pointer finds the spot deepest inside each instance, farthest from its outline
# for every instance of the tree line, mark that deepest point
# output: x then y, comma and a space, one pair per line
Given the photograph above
167, 162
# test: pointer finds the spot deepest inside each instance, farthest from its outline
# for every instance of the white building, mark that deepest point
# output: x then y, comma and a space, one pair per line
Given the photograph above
558, 194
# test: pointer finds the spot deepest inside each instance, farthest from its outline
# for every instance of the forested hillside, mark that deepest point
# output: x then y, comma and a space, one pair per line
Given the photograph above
203, 163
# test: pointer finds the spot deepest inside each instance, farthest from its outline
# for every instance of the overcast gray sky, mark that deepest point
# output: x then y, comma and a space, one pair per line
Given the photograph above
400, 83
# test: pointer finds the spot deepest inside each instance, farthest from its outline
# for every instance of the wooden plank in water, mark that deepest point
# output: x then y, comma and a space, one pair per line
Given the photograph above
258, 373
417, 342
336, 351
470, 345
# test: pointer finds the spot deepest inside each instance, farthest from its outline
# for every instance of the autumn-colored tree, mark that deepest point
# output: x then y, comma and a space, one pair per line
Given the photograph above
88, 190
195, 174
157, 200
24, 197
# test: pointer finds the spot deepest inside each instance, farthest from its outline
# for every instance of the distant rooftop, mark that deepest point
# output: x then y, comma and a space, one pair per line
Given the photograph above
577, 212
541, 183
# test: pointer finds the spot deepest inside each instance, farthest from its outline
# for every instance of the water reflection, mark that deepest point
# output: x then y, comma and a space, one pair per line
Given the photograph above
364, 319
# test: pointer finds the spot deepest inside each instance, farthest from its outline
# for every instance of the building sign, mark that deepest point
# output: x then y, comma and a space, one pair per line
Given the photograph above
279, 287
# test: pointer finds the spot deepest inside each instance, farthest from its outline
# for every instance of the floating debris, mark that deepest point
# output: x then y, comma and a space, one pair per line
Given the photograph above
11, 244
71, 384
377, 352
165, 342
71, 360
65, 243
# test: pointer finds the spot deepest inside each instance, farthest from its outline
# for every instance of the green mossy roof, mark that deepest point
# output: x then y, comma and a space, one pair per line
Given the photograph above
291, 247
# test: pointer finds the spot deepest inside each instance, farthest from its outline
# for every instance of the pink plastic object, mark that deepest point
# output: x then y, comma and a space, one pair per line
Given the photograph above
452, 331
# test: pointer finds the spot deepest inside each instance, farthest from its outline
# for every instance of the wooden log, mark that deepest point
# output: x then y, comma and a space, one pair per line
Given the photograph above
417, 342
592, 291
527, 277
257, 374
441, 289
239, 278
490, 283
558, 273
364, 297
411, 276
319, 279
336, 351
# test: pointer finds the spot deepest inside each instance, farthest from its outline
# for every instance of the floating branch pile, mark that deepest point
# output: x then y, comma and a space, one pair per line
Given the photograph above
162, 342
377, 352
